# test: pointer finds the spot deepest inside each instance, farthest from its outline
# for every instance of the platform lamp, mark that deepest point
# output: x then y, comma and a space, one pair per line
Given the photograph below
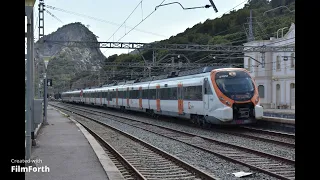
30, 88
45, 83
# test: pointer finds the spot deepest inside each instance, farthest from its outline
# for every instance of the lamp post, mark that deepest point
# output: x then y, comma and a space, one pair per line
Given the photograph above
45, 83
30, 87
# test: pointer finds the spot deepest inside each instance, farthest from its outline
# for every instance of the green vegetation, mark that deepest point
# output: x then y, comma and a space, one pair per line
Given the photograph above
230, 29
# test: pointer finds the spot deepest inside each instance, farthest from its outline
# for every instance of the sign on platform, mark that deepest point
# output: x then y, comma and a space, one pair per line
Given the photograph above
49, 82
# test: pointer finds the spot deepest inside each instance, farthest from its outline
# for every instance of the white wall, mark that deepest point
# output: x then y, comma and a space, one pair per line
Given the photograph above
269, 76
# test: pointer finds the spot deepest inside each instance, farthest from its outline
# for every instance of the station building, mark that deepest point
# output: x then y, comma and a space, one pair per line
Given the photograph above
274, 72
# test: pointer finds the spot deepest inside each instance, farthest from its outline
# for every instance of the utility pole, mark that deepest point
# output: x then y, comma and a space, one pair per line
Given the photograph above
251, 37
41, 18
30, 86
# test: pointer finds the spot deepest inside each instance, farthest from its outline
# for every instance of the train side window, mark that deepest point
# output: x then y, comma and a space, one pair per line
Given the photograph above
127, 94
164, 94
193, 93
144, 93
119, 94
207, 88
133, 94
172, 93
158, 94
152, 94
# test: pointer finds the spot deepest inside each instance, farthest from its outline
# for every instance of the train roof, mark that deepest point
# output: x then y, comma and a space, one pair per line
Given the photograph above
174, 75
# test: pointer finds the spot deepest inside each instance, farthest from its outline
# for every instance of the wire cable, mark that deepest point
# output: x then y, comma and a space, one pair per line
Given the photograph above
101, 20
125, 20
137, 24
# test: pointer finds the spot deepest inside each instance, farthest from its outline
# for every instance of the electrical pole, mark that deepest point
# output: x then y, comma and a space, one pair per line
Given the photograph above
251, 37
41, 18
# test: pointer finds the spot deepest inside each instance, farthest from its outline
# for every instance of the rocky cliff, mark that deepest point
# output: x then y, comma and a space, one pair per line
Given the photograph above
69, 67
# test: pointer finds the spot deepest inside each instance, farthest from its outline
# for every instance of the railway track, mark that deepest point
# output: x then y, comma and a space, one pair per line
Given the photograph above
261, 135
269, 132
141, 160
276, 166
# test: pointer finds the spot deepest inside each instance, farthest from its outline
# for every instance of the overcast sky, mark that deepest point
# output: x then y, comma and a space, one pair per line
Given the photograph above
108, 15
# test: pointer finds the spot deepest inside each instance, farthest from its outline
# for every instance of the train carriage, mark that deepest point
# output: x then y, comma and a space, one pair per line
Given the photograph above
211, 95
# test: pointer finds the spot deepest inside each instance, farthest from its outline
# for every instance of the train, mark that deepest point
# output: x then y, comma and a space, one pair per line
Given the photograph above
205, 96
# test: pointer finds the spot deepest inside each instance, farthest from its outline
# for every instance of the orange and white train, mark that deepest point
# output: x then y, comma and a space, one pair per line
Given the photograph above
210, 96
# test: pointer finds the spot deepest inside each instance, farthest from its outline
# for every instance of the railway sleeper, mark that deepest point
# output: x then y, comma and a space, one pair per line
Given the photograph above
172, 172
156, 168
161, 170
171, 177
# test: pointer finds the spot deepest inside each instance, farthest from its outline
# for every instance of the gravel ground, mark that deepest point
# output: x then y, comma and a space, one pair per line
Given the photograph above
274, 149
271, 148
205, 161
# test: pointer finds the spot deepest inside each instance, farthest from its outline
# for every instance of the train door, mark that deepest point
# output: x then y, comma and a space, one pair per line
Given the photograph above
104, 97
108, 97
128, 96
158, 97
206, 93
117, 97
140, 97
100, 97
180, 99
81, 96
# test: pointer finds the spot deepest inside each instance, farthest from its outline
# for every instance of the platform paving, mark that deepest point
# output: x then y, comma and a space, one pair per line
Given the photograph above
63, 148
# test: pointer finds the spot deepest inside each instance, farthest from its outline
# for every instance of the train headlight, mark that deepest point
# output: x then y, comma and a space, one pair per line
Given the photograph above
232, 74
227, 103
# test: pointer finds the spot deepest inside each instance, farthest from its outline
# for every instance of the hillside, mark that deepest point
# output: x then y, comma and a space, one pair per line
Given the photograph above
230, 29
69, 66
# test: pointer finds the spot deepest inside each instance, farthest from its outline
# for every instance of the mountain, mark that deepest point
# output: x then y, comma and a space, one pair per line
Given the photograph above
69, 67
231, 29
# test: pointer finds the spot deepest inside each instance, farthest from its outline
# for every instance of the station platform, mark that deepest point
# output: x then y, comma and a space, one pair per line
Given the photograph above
69, 152
280, 113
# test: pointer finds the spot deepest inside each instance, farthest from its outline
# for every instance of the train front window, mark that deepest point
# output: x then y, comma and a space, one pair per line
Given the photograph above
236, 85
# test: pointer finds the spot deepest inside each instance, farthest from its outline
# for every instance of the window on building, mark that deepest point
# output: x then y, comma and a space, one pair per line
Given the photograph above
292, 60
261, 91
278, 63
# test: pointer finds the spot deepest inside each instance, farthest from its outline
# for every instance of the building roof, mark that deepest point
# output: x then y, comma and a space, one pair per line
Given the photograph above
288, 38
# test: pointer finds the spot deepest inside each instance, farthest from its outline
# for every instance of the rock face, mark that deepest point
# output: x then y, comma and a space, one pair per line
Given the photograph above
69, 67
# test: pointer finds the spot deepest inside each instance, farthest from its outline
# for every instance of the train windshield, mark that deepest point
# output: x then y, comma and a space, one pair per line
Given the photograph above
236, 85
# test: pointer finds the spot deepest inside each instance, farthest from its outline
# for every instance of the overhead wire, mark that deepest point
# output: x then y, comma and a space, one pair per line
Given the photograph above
125, 20
195, 52
53, 16
101, 20
138, 23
